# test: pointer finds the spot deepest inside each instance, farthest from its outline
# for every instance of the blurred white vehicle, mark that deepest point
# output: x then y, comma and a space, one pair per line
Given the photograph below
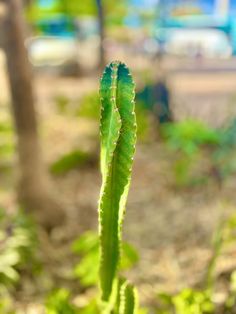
52, 51
206, 43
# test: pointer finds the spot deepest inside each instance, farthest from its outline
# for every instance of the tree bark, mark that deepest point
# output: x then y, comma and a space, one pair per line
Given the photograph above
35, 190
101, 25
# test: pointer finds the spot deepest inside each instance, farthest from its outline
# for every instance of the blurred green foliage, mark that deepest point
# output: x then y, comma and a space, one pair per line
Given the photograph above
59, 302
62, 103
70, 161
90, 308
90, 106
144, 123
114, 12
6, 302
189, 140
193, 142
36, 11
188, 301
187, 136
87, 107
230, 304
7, 142
18, 242
87, 246
224, 155
224, 236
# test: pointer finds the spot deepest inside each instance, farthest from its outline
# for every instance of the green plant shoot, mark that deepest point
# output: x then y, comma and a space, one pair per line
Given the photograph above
128, 299
118, 138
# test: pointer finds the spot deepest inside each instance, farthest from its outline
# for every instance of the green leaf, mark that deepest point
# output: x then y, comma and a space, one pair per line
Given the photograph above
129, 256
118, 138
69, 161
86, 242
87, 246
59, 302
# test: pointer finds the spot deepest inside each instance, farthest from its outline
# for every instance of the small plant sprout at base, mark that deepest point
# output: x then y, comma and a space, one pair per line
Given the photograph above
118, 138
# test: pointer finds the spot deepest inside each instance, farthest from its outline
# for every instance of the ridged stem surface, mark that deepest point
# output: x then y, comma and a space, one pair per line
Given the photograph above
118, 138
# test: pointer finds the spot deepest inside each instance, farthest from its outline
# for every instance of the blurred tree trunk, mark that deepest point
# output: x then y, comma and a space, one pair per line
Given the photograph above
101, 25
34, 185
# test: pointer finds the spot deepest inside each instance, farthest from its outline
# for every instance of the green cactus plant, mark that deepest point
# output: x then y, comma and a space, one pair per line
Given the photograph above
118, 138
128, 299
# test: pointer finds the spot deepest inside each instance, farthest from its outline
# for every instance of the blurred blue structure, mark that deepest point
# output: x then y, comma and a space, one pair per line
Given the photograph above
59, 25
198, 14
46, 3
51, 19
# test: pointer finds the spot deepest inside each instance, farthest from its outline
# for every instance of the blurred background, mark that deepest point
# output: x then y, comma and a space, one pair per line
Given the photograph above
180, 224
